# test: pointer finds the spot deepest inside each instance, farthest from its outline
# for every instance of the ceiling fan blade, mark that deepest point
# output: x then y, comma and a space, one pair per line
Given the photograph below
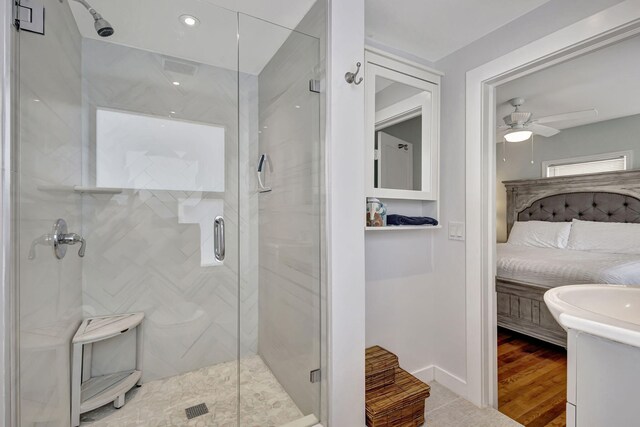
542, 130
575, 115
504, 127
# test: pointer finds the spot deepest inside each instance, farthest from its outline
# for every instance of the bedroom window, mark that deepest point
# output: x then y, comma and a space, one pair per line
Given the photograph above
608, 162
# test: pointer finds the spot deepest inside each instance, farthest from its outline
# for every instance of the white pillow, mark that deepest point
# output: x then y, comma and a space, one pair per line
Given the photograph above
542, 234
606, 237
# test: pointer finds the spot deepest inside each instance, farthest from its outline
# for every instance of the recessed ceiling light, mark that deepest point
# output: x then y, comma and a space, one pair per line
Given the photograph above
172, 112
176, 83
189, 20
297, 106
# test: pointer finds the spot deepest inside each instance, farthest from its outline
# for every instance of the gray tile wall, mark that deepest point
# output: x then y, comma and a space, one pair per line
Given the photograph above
139, 257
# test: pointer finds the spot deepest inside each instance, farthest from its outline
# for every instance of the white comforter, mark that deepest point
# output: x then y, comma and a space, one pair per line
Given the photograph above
554, 267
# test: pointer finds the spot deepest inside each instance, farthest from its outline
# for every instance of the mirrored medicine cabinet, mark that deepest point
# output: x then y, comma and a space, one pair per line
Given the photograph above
402, 107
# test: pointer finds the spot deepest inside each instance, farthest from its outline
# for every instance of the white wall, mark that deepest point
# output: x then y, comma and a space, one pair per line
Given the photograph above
400, 296
449, 317
597, 138
346, 202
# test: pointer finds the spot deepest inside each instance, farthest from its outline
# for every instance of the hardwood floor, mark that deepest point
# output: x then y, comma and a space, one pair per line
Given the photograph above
532, 378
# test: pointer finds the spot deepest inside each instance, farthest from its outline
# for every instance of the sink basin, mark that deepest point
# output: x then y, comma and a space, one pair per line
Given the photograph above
607, 311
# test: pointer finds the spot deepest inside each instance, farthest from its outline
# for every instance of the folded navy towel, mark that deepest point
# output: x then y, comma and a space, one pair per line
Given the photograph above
410, 220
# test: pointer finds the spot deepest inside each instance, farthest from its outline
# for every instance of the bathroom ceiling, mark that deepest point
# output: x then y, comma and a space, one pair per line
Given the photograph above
606, 80
433, 29
155, 25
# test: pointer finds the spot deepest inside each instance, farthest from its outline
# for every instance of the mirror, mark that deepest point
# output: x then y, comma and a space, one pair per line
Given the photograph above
398, 135
401, 121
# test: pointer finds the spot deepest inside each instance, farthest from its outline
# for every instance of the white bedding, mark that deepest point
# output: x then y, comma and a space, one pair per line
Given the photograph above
552, 267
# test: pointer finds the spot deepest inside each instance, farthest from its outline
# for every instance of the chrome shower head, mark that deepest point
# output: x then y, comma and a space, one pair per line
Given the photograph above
103, 27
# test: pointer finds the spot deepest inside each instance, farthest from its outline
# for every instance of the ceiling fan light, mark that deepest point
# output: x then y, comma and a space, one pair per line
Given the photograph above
518, 135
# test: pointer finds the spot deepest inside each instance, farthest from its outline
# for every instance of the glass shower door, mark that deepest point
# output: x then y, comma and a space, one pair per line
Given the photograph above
133, 140
279, 72
48, 153
151, 131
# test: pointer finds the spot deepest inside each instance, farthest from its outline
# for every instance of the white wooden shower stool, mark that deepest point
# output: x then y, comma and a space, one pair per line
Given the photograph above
89, 393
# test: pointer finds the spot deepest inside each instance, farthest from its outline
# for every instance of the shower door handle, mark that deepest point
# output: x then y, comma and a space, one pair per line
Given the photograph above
263, 162
218, 238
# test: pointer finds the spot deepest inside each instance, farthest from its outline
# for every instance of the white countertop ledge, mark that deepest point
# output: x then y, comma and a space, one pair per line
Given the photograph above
604, 330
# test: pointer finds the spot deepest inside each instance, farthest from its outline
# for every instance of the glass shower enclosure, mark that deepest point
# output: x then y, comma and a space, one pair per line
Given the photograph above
180, 143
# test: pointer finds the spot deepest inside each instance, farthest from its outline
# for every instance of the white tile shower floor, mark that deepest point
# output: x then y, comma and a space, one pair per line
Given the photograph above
264, 402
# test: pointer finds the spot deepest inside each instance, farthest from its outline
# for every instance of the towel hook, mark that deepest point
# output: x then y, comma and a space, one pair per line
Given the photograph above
351, 77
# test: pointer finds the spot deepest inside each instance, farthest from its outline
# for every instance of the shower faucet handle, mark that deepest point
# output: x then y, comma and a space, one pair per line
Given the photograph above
72, 239
61, 239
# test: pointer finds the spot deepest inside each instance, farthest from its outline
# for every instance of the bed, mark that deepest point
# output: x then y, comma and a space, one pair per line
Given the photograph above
524, 273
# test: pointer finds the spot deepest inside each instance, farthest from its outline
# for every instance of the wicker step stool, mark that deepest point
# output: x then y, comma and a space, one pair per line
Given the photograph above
380, 367
392, 399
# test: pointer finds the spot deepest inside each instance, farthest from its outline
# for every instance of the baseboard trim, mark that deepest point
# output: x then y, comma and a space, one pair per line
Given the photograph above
452, 382
425, 374
447, 379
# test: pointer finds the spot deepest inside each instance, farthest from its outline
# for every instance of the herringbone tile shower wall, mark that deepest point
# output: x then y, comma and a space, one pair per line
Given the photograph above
140, 257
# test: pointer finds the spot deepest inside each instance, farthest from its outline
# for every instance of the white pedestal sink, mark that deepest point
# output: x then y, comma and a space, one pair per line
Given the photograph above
603, 326
607, 311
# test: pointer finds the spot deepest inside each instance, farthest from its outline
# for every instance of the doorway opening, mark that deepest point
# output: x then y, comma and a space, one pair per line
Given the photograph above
613, 25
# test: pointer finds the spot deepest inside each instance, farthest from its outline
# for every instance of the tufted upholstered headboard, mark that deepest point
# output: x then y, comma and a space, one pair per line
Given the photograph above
587, 206
603, 197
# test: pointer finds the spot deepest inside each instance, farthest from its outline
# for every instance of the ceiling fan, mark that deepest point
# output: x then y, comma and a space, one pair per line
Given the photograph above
520, 125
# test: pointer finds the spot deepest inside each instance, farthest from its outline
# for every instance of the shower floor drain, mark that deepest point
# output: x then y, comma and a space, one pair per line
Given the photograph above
196, 411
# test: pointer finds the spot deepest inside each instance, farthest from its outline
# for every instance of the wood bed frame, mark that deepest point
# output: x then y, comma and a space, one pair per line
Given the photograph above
604, 197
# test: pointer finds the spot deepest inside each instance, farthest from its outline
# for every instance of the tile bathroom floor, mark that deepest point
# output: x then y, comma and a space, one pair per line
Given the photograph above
264, 402
162, 403
444, 408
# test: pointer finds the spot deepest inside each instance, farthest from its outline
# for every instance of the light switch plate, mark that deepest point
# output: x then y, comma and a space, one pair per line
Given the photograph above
456, 230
